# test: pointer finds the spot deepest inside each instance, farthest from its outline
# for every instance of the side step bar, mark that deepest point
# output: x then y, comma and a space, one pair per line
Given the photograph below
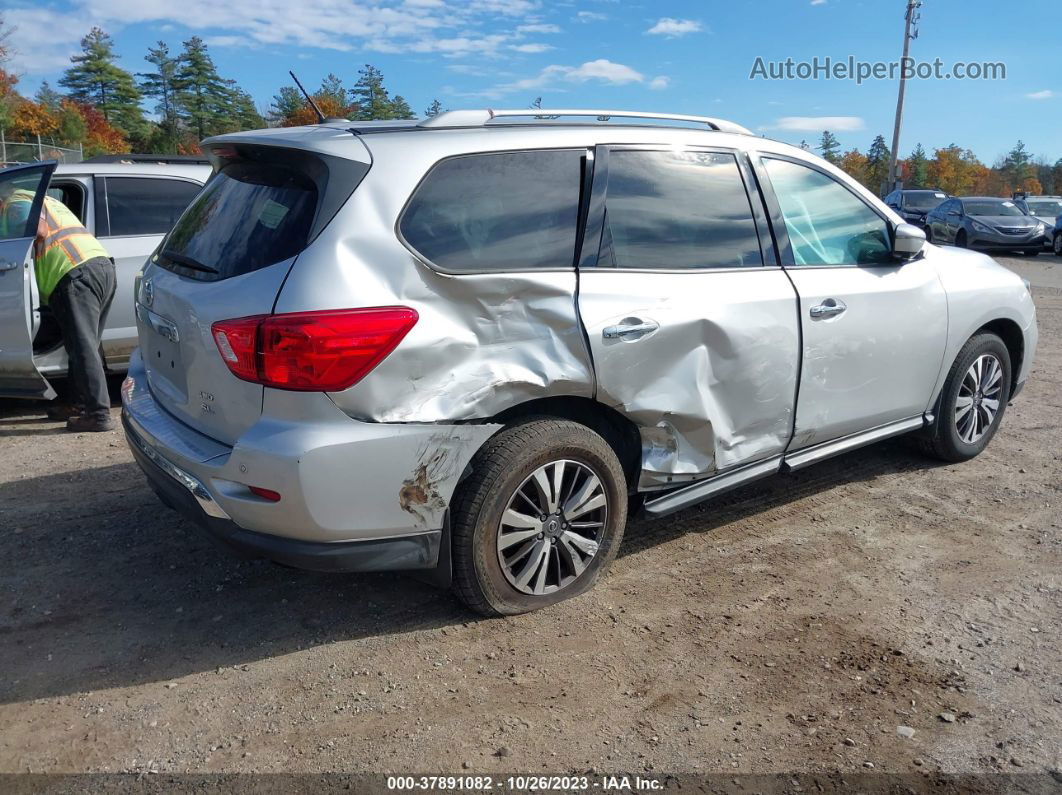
705, 489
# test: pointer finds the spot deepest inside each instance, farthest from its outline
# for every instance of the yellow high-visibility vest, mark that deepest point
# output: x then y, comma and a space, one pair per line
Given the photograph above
67, 242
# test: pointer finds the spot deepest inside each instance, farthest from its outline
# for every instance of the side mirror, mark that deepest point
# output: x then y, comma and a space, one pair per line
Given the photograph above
908, 242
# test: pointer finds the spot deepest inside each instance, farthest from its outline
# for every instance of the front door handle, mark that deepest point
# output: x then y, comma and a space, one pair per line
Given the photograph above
632, 328
9, 266
831, 307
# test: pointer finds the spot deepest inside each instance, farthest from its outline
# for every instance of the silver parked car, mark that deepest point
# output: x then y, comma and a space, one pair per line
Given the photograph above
468, 344
1047, 209
128, 207
987, 223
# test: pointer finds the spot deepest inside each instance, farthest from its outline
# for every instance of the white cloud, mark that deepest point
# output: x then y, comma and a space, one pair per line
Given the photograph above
1040, 95
538, 28
819, 123
46, 37
590, 16
532, 47
818, 2
556, 76
673, 28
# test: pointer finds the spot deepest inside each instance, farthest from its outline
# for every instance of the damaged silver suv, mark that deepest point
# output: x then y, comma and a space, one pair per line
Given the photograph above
468, 344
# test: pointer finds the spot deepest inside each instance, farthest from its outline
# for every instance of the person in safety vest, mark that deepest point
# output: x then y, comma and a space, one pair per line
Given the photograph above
75, 277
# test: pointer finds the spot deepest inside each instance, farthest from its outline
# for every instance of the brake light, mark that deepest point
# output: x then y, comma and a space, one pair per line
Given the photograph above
325, 351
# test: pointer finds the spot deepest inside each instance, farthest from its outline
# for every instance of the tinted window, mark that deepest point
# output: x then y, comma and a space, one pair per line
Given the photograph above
678, 210
506, 211
143, 206
249, 215
827, 223
16, 216
922, 201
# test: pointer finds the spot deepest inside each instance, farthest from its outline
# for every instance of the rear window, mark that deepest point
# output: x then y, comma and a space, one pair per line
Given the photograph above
498, 211
249, 216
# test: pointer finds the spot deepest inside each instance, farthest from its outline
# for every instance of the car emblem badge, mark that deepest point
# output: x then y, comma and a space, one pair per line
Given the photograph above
148, 291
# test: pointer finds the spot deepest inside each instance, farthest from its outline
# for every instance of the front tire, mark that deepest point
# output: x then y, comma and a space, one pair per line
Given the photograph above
973, 400
960, 239
539, 518
1056, 244
1031, 252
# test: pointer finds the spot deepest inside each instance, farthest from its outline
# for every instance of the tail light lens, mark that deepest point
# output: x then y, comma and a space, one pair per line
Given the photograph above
325, 351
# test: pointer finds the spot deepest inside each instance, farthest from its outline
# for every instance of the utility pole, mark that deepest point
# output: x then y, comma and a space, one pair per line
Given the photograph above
910, 33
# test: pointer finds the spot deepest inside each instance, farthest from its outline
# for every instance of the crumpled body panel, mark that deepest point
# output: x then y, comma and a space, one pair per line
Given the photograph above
714, 385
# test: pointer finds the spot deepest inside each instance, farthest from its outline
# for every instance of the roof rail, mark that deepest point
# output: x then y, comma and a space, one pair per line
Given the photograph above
480, 118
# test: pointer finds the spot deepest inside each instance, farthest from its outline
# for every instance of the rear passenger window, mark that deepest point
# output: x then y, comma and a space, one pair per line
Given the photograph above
501, 211
146, 206
678, 210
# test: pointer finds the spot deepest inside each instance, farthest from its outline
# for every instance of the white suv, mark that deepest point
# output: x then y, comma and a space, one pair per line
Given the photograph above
468, 344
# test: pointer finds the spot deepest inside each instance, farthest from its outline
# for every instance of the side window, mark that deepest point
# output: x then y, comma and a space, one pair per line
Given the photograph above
827, 224
146, 205
678, 210
72, 195
499, 211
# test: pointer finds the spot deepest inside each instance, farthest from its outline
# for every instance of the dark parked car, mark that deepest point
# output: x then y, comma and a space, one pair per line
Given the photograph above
988, 223
914, 205
1045, 208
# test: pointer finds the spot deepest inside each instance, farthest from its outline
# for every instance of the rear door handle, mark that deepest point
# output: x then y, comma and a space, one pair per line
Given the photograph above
831, 307
631, 329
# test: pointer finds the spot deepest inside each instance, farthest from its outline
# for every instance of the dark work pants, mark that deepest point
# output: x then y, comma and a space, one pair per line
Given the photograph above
80, 303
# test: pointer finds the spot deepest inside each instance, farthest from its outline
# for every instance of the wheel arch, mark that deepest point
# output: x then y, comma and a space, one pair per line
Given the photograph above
1014, 338
619, 432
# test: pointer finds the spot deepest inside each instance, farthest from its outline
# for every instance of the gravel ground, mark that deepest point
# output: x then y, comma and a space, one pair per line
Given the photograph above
795, 625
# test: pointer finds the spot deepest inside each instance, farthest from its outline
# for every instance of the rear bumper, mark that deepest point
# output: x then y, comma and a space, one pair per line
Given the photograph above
189, 497
354, 496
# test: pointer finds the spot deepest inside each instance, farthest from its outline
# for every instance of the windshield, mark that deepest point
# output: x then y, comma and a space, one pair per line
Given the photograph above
991, 207
250, 215
922, 201
1045, 207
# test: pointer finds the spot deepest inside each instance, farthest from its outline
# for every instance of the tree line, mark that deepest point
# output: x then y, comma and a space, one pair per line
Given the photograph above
951, 169
99, 106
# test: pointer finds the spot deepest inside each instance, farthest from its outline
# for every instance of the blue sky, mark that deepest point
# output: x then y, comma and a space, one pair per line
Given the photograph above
687, 57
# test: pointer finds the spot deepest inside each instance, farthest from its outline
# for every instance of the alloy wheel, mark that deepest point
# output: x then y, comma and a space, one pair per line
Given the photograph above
978, 401
551, 527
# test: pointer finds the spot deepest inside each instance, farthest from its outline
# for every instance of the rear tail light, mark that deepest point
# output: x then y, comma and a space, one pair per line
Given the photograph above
325, 351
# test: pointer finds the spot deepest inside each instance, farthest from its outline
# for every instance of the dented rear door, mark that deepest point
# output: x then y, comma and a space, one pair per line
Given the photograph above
693, 326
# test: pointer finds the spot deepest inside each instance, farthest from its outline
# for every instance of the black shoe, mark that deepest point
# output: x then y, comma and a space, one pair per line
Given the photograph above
90, 423
60, 412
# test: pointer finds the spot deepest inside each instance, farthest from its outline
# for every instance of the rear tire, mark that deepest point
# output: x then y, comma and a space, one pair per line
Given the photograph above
1031, 252
929, 234
1056, 244
970, 409
554, 467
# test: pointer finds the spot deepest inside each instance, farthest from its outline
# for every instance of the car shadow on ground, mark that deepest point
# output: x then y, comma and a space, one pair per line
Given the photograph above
103, 587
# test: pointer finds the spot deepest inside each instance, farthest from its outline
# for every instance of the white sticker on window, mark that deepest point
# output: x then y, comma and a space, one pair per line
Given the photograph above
940, 195
1008, 204
272, 214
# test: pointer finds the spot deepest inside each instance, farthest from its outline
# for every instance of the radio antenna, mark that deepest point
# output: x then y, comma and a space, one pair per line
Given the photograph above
305, 93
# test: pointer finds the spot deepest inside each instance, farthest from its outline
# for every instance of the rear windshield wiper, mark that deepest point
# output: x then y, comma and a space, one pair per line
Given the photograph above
188, 262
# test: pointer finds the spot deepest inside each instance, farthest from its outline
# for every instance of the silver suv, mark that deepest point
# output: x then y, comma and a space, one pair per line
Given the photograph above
469, 344
128, 207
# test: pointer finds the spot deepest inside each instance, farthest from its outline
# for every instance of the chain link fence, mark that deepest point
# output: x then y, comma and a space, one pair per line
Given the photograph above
15, 152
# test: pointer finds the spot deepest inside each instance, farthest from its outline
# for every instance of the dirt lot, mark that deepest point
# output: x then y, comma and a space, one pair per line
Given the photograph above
791, 626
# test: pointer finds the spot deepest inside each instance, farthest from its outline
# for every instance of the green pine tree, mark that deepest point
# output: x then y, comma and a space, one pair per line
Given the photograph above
286, 103
829, 147
371, 100
204, 100
434, 109
877, 172
400, 109
48, 97
95, 78
918, 168
332, 88
161, 85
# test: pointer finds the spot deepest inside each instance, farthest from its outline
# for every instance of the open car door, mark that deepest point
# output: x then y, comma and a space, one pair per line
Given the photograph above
19, 302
